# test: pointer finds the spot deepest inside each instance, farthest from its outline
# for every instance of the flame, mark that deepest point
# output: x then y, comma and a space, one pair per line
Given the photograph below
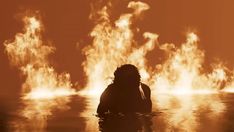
182, 71
138, 7
113, 46
44, 89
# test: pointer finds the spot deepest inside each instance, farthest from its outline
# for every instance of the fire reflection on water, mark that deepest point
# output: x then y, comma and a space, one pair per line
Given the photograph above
35, 113
185, 112
172, 112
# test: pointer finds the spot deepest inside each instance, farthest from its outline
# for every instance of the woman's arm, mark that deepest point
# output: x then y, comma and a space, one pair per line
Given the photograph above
103, 105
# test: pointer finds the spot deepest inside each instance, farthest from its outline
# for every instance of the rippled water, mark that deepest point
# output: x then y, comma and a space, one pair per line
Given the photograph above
202, 113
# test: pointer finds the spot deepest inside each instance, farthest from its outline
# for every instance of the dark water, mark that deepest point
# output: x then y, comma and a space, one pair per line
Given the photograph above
171, 113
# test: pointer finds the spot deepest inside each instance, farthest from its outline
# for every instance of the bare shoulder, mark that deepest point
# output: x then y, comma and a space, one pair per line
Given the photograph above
145, 87
107, 91
109, 88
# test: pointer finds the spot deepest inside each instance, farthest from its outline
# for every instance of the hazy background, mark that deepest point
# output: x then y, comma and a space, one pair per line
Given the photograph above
67, 26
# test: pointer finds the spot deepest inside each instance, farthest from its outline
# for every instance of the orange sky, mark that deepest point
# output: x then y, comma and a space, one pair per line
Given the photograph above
66, 24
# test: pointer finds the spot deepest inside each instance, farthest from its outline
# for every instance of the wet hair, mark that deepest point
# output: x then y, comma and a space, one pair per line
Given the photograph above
127, 75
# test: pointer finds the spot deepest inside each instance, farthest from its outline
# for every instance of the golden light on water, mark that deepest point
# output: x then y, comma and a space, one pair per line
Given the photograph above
229, 90
44, 93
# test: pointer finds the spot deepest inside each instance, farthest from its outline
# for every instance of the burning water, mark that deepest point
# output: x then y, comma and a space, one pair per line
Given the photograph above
113, 44
181, 72
43, 89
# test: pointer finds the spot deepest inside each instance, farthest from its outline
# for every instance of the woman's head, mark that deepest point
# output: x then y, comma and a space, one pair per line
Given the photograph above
127, 75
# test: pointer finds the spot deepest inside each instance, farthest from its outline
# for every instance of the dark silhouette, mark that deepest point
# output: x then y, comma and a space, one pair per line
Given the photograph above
126, 94
125, 123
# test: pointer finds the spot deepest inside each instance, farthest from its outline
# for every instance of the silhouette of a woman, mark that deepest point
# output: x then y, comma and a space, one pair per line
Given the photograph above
126, 94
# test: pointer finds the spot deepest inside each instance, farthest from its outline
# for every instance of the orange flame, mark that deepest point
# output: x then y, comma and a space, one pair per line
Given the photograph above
43, 86
182, 72
113, 46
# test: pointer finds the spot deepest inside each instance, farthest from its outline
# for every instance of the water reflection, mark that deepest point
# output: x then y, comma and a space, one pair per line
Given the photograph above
189, 112
90, 113
59, 114
3, 117
171, 113
34, 114
128, 123
210, 112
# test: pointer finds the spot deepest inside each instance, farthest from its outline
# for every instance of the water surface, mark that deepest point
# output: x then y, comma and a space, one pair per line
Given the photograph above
179, 113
